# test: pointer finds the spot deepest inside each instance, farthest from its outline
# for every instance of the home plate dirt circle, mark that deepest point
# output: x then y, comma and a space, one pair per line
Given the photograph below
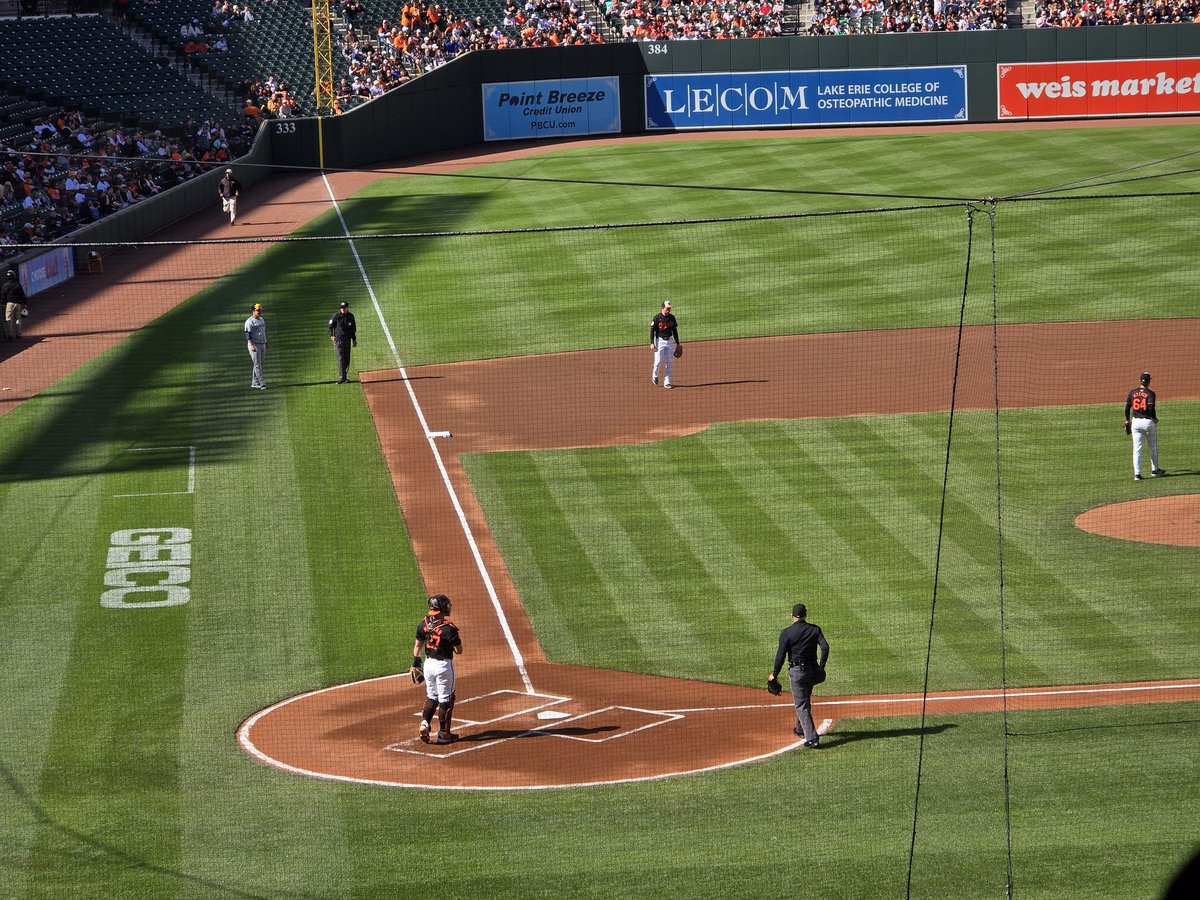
590, 727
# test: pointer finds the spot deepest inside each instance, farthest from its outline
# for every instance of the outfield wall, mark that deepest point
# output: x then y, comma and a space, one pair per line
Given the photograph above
443, 110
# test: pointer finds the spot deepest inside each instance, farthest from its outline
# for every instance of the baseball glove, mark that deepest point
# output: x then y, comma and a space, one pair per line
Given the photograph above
678, 350
1128, 428
774, 687
417, 675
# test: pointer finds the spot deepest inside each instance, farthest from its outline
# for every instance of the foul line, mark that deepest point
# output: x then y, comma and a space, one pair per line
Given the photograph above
1050, 692
430, 439
191, 475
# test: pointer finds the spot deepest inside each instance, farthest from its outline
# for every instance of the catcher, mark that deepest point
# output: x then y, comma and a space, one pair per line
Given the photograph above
664, 341
439, 638
798, 644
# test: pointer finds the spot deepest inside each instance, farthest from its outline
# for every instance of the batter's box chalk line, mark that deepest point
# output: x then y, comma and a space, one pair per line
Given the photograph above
563, 721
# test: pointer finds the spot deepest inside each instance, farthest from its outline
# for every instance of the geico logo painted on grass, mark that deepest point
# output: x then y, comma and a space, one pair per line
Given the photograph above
151, 564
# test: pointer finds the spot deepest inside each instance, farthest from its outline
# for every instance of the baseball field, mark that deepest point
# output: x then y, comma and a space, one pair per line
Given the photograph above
907, 356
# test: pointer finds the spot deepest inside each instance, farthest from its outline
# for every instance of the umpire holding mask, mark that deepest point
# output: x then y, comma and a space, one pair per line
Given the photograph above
798, 645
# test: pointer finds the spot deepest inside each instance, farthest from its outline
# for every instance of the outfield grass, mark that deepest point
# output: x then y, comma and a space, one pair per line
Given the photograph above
120, 772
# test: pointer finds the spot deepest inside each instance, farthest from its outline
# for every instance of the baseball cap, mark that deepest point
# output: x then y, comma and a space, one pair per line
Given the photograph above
344, 305
258, 306
1145, 376
229, 171
799, 610
666, 304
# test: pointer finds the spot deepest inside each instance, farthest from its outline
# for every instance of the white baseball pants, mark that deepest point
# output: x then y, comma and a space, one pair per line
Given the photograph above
664, 354
1145, 434
439, 679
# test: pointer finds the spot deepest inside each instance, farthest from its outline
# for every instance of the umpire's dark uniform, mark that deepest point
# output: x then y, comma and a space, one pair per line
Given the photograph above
343, 331
798, 645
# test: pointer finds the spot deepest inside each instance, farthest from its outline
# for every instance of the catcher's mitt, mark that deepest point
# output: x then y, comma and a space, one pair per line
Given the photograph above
678, 350
774, 687
417, 675
1128, 428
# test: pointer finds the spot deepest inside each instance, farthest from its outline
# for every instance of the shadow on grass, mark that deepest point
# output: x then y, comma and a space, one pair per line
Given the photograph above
1111, 726
837, 738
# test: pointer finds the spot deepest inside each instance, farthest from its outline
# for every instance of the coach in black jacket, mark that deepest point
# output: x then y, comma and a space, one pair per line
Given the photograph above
344, 333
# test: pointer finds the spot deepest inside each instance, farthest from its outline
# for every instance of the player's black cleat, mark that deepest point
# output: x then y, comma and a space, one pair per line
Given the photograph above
444, 738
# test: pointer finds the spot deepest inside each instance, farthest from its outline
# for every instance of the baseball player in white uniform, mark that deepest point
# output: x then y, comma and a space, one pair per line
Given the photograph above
664, 338
438, 637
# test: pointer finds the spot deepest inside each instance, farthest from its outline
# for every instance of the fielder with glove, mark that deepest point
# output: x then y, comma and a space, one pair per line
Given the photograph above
798, 644
664, 341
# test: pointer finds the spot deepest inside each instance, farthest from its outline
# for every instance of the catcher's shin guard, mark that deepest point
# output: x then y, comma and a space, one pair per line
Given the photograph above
445, 714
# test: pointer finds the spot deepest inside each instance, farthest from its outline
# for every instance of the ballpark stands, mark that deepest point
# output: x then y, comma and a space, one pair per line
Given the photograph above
87, 61
1069, 14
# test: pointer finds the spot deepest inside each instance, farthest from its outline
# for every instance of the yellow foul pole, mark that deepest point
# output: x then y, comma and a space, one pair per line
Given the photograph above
322, 68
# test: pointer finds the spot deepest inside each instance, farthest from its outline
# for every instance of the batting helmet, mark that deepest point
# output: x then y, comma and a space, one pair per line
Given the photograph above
11, 274
439, 603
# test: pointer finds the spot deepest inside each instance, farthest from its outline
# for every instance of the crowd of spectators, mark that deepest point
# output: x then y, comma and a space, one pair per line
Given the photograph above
663, 20
73, 171
1067, 14
894, 16
425, 35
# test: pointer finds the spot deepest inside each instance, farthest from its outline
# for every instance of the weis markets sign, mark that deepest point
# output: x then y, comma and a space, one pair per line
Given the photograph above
558, 108
1126, 87
830, 97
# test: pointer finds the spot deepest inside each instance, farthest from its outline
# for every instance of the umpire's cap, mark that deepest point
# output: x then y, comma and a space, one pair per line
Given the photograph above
1145, 378
439, 603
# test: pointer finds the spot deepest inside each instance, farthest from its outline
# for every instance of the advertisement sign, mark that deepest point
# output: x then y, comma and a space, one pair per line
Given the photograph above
555, 108
1126, 87
47, 270
832, 97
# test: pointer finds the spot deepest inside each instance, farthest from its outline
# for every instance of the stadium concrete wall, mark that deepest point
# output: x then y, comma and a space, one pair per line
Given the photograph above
443, 110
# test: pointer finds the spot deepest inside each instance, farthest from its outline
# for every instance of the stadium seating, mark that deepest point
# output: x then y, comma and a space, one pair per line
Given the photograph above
88, 62
276, 40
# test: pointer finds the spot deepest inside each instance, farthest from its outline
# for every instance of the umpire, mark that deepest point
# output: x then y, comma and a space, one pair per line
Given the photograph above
798, 644
343, 331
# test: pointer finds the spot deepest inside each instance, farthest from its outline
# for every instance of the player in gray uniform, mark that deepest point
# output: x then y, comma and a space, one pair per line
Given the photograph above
256, 342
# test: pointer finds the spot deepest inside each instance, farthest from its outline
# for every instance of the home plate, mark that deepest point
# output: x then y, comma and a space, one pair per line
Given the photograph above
552, 714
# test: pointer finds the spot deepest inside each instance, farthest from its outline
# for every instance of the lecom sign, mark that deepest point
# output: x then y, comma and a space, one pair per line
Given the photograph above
1125, 87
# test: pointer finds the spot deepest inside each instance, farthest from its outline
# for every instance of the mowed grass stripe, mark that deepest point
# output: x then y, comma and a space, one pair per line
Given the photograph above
639, 499
128, 751
623, 561
48, 574
562, 617
832, 574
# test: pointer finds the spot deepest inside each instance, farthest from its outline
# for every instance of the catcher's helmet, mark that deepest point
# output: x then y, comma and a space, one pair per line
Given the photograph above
439, 603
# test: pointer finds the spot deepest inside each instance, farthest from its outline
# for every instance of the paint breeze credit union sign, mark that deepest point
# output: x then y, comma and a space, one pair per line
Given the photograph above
829, 97
1127, 87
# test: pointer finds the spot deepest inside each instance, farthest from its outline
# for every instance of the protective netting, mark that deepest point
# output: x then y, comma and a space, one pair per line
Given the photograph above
897, 413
